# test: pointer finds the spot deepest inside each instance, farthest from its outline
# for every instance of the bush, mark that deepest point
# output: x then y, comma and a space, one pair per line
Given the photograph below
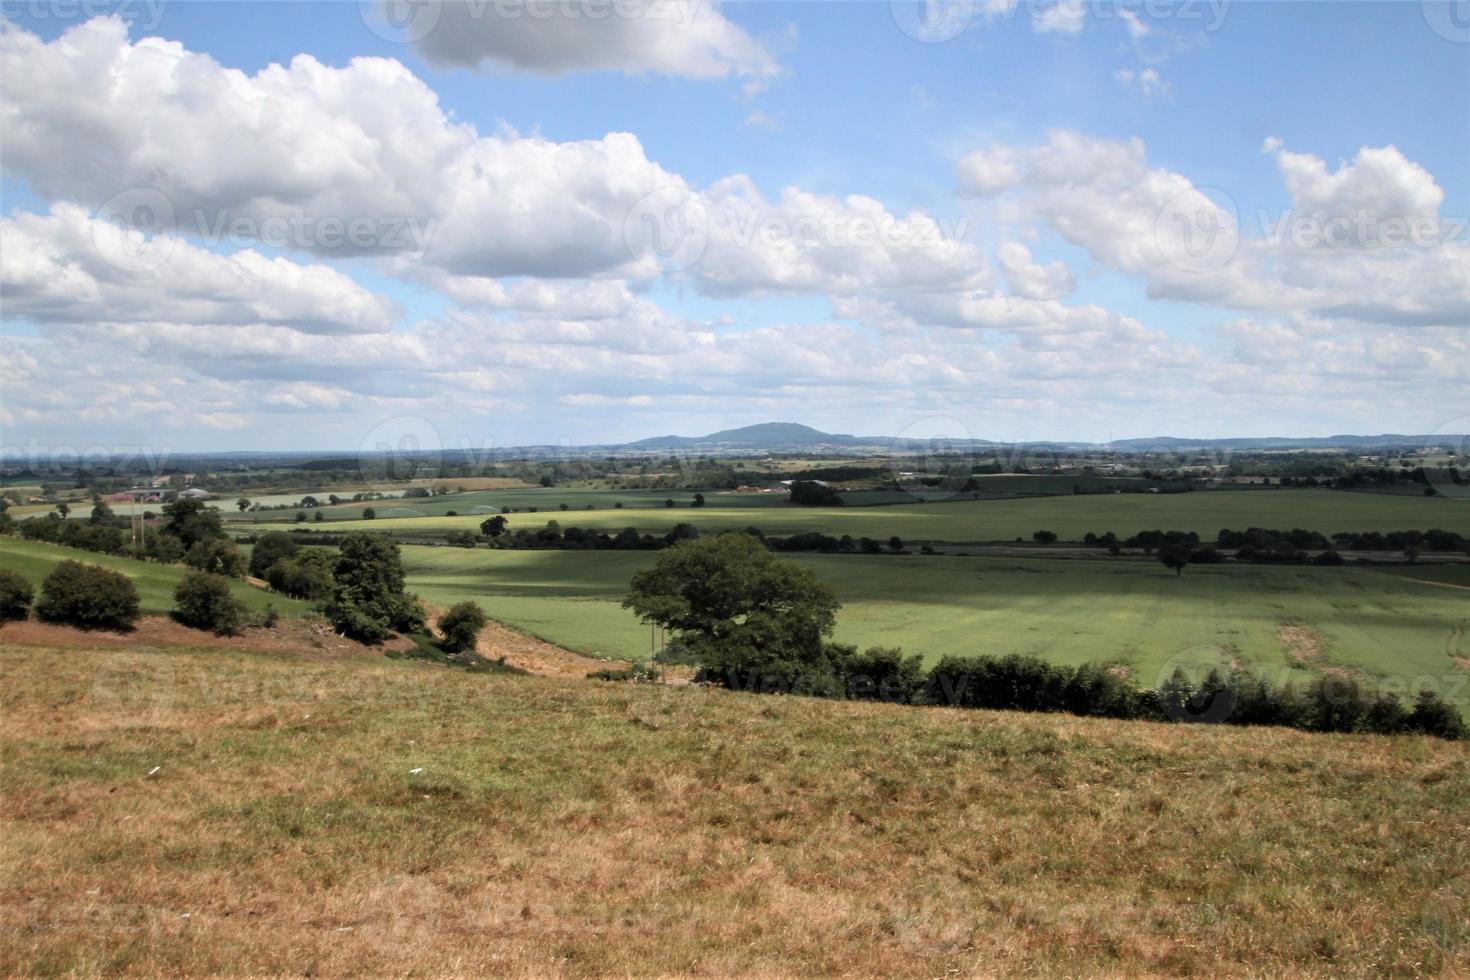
306, 575
1434, 716
204, 602
461, 625
88, 596
809, 493
217, 556
15, 596
165, 548
878, 674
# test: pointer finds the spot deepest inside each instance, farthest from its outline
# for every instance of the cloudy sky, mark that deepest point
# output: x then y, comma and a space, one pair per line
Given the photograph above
292, 225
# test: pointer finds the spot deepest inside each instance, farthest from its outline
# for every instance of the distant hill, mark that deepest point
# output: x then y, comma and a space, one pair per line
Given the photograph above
1385, 441
793, 435
772, 435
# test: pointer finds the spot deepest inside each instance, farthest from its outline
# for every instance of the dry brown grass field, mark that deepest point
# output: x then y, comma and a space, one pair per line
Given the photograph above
233, 808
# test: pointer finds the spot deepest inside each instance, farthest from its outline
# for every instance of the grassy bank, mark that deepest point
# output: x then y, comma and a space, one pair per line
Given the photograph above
369, 816
155, 582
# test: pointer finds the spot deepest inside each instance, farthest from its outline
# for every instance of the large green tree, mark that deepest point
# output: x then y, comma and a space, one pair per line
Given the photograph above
369, 603
745, 616
191, 521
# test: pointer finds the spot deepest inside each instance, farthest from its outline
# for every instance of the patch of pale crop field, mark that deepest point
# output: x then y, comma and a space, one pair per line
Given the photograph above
220, 811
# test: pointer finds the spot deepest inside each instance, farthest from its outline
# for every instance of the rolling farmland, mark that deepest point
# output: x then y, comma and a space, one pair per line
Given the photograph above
1286, 621
1071, 517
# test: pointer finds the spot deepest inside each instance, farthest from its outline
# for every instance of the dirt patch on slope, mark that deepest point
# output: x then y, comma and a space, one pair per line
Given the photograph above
1299, 643
498, 641
537, 656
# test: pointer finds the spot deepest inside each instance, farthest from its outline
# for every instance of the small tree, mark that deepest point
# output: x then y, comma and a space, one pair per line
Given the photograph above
204, 601
698, 500
88, 596
369, 514
493, 527
1044, 537
15, 595
461, 625
217, 556
63, 509
1174, 556
895, 543
243, 504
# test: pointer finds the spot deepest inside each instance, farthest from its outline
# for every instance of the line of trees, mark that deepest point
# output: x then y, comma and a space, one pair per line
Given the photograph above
191, 532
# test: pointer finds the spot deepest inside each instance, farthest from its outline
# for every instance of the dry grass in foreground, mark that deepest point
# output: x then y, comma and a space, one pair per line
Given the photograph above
215, 810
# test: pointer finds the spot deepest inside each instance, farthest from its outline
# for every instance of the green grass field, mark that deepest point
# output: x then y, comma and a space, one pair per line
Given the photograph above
155, 582
1390, 628
1071, 517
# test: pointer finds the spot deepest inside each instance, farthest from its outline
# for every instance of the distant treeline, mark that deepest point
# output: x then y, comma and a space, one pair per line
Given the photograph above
1269, 546
1330, 703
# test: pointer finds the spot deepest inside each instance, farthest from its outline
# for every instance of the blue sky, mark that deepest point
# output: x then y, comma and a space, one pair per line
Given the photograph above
1046, 306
